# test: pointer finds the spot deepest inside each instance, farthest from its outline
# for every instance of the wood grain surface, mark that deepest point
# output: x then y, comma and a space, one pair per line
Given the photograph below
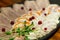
56, 36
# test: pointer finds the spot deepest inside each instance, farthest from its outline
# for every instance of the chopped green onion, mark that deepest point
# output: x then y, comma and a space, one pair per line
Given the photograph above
8, 33
11, 38
28, 28
26, 38
25, 23
13, 30
32, 24
25, 31
18, 31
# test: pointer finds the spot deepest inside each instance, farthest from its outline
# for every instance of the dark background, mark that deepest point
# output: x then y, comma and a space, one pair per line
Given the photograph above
55, 2
11, 2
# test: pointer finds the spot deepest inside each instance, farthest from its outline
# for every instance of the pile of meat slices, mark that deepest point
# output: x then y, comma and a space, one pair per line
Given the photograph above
8, 14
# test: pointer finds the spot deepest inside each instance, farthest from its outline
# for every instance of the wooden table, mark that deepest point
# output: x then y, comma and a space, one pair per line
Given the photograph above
4, 3
56, 36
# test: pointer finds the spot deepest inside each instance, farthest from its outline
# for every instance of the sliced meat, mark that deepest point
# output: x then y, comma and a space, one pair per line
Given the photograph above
31, 5
9, 13
3, 29
42, 3
4, 20
19, 38
20, 9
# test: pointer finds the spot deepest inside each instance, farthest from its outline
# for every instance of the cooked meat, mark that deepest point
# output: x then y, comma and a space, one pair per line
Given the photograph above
9, 13
3, 29
42, 3
20, 9
31, 5
4, 20
37, 24
19, 38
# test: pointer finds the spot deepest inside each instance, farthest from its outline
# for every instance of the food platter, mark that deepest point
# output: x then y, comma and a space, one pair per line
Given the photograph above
58, 25
48, 35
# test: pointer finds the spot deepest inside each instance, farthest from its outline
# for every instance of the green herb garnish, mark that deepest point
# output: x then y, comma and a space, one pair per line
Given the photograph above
8, 33
18, 31
11, 38
25, 31
26, 38
32, 24
27, 28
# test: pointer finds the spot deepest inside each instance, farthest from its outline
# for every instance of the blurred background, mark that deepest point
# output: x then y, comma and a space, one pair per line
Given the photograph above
10, 2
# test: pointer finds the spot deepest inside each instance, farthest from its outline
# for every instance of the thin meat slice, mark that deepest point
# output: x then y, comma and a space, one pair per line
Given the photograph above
19, 38
31, 5
4, 20
3, 30
9, 13
20, 9
42, 3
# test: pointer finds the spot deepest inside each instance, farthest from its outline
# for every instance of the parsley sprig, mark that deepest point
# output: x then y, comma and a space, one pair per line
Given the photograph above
26, 38
12, 38
25, 31
8, 33
18, 31
28, 28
